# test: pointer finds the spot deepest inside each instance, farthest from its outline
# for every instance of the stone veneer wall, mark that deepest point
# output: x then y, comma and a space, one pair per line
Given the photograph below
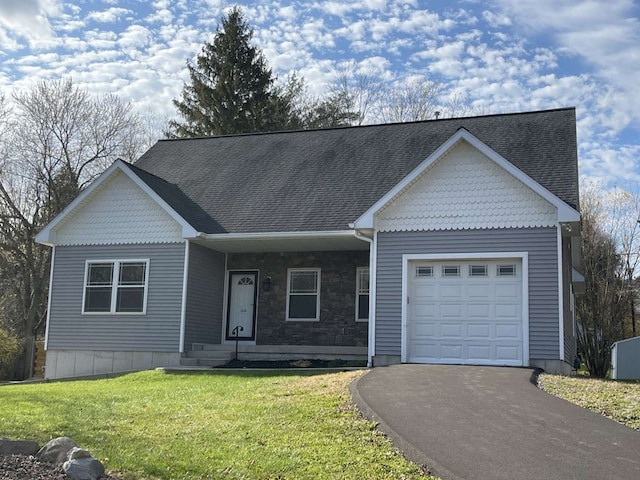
337, 325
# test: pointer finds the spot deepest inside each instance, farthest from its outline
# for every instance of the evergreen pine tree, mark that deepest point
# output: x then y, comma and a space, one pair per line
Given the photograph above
232, 88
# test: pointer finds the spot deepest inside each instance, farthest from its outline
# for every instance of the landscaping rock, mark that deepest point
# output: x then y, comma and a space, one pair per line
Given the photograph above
17, 447
83, 468
76, 452
56, 450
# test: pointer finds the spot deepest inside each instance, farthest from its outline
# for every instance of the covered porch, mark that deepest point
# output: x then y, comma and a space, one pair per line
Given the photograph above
277, 296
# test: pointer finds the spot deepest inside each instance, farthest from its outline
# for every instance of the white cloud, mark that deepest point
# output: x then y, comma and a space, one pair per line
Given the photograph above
605, 35
29, 18
108, 16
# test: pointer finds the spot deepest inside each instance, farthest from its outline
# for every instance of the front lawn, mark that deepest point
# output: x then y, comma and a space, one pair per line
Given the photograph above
617, 400
266, 425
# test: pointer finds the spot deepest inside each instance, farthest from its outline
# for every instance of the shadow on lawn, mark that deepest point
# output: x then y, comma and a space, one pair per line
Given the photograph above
277, 367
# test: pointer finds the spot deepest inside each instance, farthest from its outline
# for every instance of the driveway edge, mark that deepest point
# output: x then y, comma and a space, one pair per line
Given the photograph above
411, 453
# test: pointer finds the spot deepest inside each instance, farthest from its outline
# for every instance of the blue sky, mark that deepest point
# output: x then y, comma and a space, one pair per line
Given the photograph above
501, 55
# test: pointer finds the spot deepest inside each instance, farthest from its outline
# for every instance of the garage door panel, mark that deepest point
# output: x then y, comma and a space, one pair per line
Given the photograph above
479, 310
428, 352
507, 291
479, 291
507, 311
425, 310
508, 352
454, 330
473, 319
478, 331
425, 330
449, 310
450, 291
507, 331
450, 351
479, 352
425, 290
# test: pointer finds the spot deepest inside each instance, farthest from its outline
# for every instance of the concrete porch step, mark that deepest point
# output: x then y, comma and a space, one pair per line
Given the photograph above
209, 357
202, 362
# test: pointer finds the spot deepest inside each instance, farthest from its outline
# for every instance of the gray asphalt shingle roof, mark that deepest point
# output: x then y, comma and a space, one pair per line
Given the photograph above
319, 180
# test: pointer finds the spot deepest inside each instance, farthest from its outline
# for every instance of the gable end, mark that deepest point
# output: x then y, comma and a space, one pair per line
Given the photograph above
464, 189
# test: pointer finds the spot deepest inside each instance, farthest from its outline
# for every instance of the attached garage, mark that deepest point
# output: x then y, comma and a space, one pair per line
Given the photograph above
466, 311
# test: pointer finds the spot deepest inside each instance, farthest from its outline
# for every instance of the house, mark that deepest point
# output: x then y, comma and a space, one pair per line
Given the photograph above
442, 241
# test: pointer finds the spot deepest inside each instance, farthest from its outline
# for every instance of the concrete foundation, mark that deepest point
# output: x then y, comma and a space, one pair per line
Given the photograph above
79, 363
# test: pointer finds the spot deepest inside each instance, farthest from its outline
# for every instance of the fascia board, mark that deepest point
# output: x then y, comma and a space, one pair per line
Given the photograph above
47, 235
565, 212
277, 235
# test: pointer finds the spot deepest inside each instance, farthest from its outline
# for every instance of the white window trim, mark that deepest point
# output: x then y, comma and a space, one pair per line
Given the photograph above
318, 271
114, 285
358, 270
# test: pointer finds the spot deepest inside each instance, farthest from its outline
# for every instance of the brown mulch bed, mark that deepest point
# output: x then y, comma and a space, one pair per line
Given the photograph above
281, 364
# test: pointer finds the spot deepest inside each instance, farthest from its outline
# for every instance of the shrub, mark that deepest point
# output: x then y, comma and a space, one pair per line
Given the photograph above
9, 349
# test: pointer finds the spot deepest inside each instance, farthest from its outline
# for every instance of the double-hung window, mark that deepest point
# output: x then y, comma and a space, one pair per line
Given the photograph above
115, 286
362, 294
303, 294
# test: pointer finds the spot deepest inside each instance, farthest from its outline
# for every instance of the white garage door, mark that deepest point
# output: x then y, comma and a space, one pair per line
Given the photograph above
465, 312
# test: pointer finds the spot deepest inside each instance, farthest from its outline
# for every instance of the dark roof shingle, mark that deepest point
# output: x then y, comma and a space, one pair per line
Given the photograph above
319, 180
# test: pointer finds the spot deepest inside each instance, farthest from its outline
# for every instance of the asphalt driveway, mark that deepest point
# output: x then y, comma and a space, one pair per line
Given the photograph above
491, 423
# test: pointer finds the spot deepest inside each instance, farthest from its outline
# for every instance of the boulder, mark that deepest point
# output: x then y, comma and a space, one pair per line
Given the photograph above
76, 452
17, 447
83, 468
56, 450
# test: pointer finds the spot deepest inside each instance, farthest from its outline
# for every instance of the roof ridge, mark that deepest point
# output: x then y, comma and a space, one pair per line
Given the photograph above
371, 125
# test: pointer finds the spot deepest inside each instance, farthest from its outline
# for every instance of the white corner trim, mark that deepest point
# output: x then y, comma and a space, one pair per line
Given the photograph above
523, 256
47, 235
565, 212
560, 294
183, 307
46, 329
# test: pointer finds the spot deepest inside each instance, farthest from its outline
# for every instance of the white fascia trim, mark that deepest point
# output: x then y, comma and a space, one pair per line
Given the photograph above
46, 329
560, 294
47, 235
183, 307
277, 235
565, 212
523, 256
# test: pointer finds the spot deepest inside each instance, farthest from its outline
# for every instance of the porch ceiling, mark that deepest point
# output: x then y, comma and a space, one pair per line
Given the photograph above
283, 242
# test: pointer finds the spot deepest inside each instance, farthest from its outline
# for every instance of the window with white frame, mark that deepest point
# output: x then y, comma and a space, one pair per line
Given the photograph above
362, 294
115, 286
303, 294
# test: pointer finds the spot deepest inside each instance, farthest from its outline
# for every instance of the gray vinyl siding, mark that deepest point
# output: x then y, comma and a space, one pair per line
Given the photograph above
158, 330
540, 243
205, 292
570, 345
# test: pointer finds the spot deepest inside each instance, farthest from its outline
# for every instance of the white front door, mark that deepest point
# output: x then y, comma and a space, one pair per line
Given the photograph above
242, 305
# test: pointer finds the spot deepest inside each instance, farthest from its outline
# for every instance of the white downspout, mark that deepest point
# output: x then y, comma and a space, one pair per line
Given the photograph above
46, 329
371, 350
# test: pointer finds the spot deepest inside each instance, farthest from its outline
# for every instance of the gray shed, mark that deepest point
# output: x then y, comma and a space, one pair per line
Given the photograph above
625, 359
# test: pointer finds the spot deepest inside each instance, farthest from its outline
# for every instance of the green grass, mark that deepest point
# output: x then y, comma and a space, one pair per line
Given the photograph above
617, 400
266, 425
